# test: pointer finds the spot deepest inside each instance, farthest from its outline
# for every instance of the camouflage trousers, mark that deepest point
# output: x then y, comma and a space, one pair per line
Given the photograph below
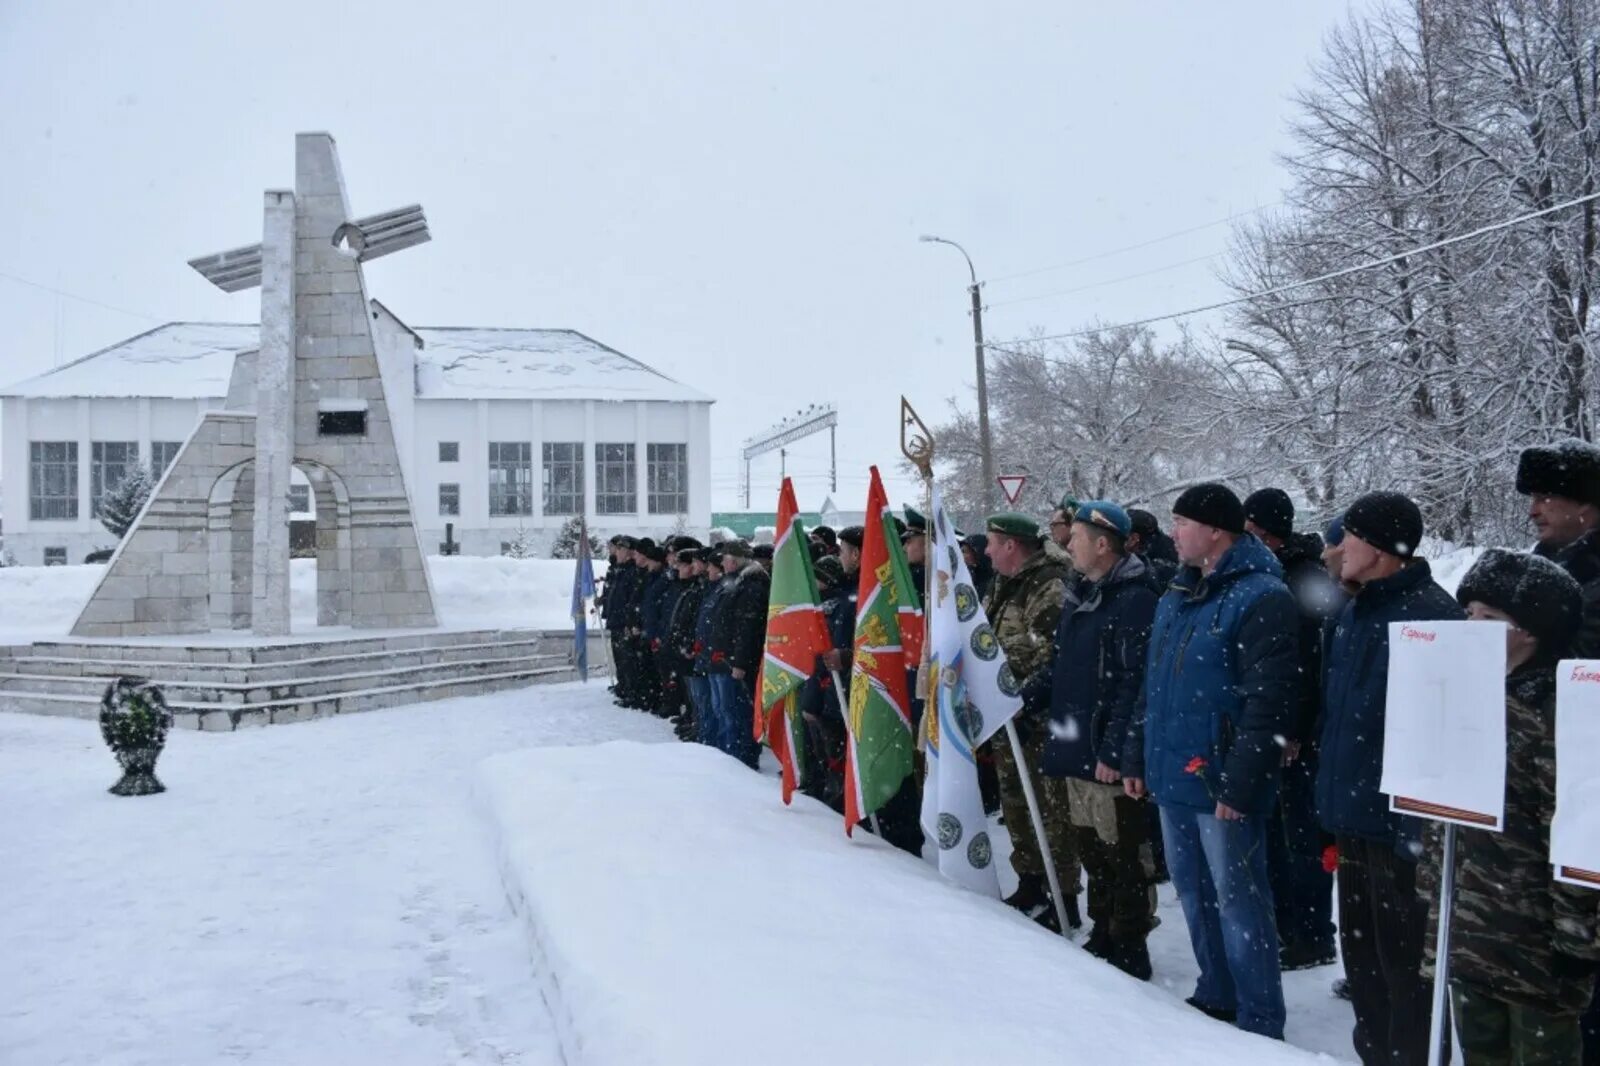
1494, 1032
1054, 810
1112, 833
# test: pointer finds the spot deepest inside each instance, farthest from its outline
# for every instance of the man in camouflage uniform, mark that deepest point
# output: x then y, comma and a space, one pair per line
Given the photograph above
1024, 608
1522, 951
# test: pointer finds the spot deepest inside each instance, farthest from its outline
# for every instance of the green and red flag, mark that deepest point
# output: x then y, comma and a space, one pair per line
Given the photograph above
878, 752
796, 636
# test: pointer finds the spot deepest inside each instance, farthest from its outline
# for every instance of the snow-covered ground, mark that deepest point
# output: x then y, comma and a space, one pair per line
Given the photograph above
320, 893
41, 602
716, 926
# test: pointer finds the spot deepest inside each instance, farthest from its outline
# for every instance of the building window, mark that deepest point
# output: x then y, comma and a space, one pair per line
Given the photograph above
341, 423
510, 478
563, 478
162, 453
667, 467
615, 483
450, 499
53, 480
300, 498
449, 451
55, 557
110, 462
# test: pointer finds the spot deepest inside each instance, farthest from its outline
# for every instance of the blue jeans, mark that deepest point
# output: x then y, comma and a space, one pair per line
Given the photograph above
700, 700
1220, 871
735, 713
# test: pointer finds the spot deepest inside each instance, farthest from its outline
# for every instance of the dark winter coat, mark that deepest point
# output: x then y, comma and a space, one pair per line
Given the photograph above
740, 631
621, 580
658, 594
1581, 559
1096, 669
706, 619
1355, 699
1219, 685
839, 611
1320, 600
681, 626
1515, 930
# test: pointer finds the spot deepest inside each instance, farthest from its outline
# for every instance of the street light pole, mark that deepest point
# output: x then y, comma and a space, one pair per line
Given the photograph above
985, 442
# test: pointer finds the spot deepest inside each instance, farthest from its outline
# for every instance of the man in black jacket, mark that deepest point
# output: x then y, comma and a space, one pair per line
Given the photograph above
1147, 541
677, 642
1302, 890
1562, 483
739, 636
1091, 686
1382, 920
622, 584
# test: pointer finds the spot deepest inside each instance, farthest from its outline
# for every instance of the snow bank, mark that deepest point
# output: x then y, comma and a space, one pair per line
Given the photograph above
680, 914
40, 602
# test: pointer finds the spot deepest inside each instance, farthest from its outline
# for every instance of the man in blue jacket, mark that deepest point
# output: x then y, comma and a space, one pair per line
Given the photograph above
1382, 921
1092, 686
1219, 691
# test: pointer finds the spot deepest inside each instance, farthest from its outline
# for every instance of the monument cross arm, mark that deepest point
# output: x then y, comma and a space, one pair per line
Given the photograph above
369, 238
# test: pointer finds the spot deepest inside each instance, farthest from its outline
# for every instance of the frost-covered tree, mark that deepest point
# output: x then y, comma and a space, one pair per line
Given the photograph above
120, 506
565, 545
521, 545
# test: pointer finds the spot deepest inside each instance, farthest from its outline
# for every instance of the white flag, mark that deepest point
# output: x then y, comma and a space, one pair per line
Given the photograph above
973, 695
1575, 830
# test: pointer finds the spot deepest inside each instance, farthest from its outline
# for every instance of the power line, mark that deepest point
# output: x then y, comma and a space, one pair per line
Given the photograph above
1105, 282
1294, 285
1135, 247
80, 299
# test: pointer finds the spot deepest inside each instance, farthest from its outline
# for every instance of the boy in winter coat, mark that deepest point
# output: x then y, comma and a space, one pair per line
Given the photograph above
1522, 945
1382, 920
1218, 694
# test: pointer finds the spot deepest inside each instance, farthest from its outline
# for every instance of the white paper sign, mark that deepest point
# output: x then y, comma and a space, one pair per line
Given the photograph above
1444, 740
1575, 830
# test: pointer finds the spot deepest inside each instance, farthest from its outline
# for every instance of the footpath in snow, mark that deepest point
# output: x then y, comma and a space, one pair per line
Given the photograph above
681, 914
318, 894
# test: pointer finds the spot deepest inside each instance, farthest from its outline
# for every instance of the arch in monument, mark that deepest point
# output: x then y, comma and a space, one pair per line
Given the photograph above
230, 514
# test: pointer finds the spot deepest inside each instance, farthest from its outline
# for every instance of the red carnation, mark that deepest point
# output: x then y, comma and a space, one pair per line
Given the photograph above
1330, 859
1196, 764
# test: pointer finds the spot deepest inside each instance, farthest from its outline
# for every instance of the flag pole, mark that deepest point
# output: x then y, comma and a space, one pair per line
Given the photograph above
918, 448
1439, 1029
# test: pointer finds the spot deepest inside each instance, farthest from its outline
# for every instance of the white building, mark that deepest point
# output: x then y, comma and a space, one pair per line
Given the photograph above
502, 433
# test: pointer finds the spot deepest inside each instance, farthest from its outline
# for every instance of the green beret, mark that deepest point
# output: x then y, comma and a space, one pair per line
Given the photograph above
1069, 505
1014, 525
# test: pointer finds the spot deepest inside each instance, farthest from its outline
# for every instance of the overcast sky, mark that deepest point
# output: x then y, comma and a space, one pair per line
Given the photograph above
730, 191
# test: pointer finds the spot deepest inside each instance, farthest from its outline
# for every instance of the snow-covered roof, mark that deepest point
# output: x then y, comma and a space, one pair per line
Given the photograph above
191, 360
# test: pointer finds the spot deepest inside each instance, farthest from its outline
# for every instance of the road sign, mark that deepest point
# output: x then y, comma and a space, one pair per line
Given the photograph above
1011, 485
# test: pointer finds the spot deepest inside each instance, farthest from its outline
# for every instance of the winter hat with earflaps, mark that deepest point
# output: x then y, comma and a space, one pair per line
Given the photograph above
1570, 469
1388, 521
1539, 596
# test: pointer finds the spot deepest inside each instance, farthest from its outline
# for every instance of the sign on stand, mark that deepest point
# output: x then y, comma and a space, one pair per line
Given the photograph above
1444, 740
1444, 753
1011, 485
1575, 829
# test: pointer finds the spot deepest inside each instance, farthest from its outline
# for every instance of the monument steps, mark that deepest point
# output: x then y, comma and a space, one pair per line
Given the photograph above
178, 671
225, 690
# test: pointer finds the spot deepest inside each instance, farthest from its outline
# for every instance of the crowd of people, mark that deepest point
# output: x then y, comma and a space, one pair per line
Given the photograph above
1209, 706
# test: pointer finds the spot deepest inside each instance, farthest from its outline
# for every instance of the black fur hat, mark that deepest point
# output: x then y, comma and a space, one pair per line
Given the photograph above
1570, 468
1539, 596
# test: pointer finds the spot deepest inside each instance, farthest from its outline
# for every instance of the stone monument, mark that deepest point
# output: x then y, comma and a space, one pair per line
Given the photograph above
211, 548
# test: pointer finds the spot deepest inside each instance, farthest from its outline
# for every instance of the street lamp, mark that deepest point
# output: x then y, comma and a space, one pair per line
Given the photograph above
984, 442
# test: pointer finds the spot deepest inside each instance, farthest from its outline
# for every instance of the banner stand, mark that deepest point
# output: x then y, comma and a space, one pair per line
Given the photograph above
1026, 779
1439, 1031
